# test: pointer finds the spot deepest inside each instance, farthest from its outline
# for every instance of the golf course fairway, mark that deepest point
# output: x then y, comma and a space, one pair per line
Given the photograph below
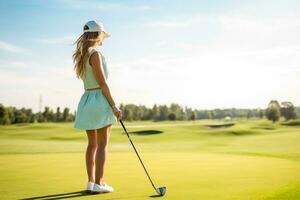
254, 159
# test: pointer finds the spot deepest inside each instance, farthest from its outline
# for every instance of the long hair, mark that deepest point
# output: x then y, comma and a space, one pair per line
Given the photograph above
83, 44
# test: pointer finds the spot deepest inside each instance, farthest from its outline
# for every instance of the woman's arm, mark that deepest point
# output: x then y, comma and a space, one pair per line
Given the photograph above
96, 62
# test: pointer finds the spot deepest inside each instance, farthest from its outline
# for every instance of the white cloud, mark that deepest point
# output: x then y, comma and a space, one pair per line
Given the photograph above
100, 5
181, 21
21, 83
250, 61
69, 39
11, 48
12, 65
257, 32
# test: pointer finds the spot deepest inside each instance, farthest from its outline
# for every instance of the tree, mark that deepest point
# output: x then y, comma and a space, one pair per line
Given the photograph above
288, 110
58, 115
188, 113
4, 117
210, 114
20, 116
163, 112
40, 117
48, 115
273, 111
127, 114
261, 113
172, 116
66, 115
193, 116
250, 114
11, 115
177, 111
155, 112
30, 116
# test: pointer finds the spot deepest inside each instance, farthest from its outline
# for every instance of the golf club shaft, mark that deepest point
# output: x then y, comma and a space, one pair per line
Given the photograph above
137, 154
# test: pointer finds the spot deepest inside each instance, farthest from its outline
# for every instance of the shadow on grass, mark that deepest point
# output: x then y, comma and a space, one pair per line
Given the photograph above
155, 196
219, 125
145, 132
61, 195
68, 195
292, 123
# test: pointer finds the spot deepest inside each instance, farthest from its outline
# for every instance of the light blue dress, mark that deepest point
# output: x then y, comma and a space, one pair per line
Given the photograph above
93, 110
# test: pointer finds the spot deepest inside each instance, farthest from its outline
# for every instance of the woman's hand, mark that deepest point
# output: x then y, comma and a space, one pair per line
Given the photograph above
117, 112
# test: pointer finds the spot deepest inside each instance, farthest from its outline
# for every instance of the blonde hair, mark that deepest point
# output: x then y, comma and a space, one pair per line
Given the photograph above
83, 44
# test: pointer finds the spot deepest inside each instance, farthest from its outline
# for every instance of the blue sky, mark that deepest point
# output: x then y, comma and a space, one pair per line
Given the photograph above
201, 54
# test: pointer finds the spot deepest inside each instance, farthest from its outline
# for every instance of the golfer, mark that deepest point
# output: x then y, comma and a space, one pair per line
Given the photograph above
97, 110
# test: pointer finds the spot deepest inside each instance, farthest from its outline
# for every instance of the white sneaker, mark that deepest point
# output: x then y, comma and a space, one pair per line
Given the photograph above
103, 188
89, 186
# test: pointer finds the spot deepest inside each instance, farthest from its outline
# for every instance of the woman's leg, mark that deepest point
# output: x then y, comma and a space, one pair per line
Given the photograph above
90, 154
101, 153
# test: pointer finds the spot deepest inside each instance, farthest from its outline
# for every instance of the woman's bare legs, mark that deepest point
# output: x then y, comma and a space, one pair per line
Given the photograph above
101, 153
90, 154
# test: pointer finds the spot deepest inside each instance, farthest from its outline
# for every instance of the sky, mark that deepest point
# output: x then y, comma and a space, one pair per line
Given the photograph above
202, 54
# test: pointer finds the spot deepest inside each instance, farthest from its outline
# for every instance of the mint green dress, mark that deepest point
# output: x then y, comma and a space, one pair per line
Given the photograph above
93, 110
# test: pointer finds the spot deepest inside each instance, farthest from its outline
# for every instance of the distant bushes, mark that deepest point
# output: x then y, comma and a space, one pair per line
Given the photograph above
48, 115
13, 115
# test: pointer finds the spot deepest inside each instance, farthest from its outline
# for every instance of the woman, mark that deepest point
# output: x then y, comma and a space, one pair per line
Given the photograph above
97, 110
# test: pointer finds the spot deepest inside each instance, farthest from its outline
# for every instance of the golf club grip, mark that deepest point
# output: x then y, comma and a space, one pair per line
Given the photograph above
138, 155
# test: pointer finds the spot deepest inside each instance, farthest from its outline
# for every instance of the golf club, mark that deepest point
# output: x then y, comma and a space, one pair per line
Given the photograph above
161, 190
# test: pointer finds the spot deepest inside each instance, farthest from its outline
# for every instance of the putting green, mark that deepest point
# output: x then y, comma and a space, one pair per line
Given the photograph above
187, 176
194, 163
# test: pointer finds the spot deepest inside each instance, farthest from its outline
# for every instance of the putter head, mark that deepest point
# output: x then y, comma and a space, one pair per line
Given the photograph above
161, 191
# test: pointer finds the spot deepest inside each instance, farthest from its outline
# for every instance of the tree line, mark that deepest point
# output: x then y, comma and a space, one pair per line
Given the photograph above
132, 112
13, 115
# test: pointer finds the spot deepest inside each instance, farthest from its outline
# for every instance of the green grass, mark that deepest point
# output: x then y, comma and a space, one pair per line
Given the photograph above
251, 160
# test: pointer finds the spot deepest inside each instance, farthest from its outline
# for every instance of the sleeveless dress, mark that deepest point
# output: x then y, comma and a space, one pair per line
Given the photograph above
93, 110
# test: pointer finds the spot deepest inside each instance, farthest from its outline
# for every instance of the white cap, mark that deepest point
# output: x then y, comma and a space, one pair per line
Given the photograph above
93, 26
